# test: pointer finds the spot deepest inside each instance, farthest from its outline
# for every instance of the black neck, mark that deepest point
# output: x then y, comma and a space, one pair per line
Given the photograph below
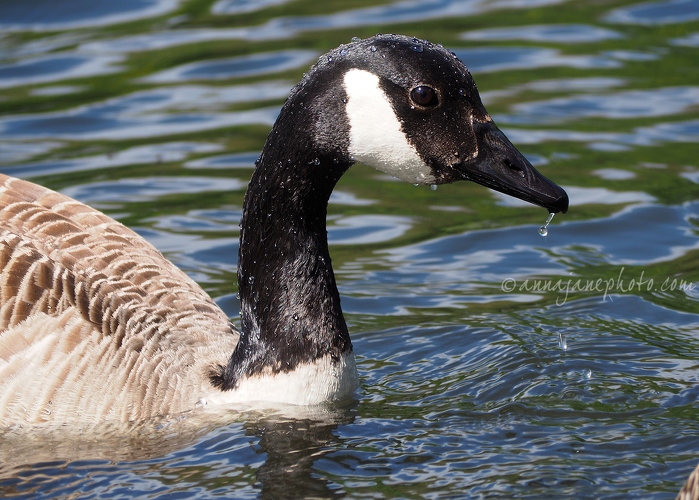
290, 306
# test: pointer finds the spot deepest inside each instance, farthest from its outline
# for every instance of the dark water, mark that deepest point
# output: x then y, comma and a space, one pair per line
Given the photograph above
494, 362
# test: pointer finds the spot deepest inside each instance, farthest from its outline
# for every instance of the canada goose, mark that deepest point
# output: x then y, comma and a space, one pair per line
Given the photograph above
95, 324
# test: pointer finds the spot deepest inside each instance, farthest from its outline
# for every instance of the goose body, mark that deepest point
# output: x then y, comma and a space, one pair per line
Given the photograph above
95, 324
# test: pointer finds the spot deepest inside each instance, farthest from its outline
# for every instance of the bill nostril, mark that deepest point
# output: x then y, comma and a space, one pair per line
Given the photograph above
516, 169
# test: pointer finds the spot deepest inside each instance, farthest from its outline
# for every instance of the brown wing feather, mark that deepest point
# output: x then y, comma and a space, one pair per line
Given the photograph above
59, 252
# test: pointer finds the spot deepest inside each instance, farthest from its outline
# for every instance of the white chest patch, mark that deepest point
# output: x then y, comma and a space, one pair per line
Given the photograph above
376, 138
310, 384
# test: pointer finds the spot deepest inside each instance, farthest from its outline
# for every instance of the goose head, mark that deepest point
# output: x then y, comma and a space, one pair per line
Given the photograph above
402, 105
411, 109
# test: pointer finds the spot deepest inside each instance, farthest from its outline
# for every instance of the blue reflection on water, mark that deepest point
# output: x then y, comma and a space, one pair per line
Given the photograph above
654, 13
488, 59
145, 188
234, 160
560, 33
289, 27
235, 67
457, 270
229, 7
52, 15
367, 229
150, 113
138, 155
621, 105
682, 131
56, 67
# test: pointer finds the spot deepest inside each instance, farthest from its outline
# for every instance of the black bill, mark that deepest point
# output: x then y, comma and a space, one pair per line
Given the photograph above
500, 166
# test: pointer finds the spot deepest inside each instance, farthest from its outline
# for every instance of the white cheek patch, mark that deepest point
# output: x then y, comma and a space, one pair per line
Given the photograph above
376, 138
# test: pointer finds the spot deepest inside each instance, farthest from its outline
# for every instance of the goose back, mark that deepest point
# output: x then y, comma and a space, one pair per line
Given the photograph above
83, 297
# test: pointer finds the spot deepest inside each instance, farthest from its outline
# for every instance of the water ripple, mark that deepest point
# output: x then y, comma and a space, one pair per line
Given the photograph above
684, 131
149, 113
620, 105
614, 174
367, 229
229, 7
559, 33
234, 160
137, 155
585, 84
656, 13
235, 67
166, 39
57, 67
489, 59
288, 27
147, 189
47, 15
687, 41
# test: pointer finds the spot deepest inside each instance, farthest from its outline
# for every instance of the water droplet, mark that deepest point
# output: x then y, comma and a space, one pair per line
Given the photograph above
462, 91
344, 52
588, 373
562, 342
543, 230
251, 279
201, 402
433, 187
330, 59
417, 48
296, 317
356, 39
372, 48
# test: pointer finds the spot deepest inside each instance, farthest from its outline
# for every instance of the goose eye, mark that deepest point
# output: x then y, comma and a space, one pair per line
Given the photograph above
424, 96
